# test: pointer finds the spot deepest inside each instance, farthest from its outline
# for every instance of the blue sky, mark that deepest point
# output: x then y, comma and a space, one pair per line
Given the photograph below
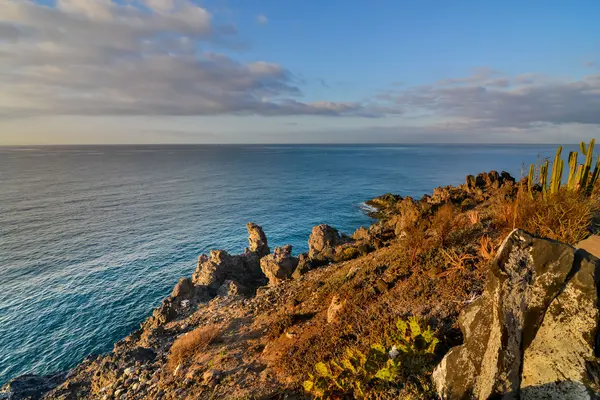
186, 71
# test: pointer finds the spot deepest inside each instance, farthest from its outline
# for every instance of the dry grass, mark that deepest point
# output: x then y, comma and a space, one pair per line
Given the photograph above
192, 343
487, 248
473, 217
442, 222
566, 216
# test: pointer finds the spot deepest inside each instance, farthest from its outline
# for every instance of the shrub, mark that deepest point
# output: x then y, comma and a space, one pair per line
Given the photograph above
358, 374
442, 222
186, 347
565, 216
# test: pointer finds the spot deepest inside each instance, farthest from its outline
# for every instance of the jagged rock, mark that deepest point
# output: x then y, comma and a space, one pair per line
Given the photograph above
304, 265
184, 289
531, 334
280, 265
257, 240
323, 241
213, 271
31, 387
335, 309
232, 288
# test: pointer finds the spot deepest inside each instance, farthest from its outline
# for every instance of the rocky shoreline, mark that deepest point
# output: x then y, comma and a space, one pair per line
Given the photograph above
267, 308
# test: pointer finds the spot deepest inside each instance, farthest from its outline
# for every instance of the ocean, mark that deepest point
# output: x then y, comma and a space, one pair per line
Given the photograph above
93, 238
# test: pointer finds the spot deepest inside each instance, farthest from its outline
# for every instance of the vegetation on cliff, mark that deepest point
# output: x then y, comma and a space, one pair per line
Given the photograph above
368, 315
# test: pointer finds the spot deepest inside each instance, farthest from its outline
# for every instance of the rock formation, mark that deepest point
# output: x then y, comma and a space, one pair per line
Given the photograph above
532, 332
280, 265
257, 240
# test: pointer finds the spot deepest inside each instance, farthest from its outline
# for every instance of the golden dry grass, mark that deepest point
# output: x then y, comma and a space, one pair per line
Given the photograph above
566, 216
186, 347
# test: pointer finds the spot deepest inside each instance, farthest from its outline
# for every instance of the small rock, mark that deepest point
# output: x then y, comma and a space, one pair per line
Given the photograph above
211, 377
335, 309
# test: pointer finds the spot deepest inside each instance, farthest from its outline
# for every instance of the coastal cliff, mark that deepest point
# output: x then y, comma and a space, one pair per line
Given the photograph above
440, 297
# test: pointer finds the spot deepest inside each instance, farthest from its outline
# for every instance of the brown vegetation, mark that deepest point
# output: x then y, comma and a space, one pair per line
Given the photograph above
186, 347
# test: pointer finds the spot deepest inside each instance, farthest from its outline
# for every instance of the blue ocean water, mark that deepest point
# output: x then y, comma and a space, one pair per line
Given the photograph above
93, 238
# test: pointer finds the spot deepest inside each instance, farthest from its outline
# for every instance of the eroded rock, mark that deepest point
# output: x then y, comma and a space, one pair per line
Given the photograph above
280, 265
532, 330
257, 240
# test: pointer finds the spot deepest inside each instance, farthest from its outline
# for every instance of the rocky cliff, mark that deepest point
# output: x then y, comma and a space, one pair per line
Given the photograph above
513, 315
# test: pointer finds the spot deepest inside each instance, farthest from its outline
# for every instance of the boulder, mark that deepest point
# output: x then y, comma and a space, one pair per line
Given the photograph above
280, 265
212, 271
257, 240
184, 289
323, 241
336, 307
531, 334
304, 265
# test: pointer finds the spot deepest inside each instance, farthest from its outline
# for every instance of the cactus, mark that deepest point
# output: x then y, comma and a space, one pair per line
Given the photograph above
530, 180
588, 164
572, 170
557, 170
544, 177
578, 176
593, 178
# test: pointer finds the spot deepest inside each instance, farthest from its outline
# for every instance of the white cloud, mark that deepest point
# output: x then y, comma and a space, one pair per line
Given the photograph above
137, 57
491, 100
262, 19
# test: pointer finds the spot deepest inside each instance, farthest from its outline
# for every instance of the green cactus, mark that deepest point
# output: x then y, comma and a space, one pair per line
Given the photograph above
530, 180
557, 170
588, 164
578, 176
572, 170
593, 178
583, 150
544, 177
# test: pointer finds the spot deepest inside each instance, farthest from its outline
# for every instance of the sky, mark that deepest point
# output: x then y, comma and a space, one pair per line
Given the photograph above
288, 71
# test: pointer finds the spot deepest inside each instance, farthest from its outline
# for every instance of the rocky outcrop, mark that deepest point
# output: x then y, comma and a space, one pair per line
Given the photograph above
30, 386
325, 244
257, 240
280, 265
213, 270
532, 332
304, 265
322, 242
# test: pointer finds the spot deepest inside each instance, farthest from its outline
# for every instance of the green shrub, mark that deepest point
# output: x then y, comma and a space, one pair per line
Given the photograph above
356, 374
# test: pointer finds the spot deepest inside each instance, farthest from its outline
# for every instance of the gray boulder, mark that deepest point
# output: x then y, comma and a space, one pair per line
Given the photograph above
531, 334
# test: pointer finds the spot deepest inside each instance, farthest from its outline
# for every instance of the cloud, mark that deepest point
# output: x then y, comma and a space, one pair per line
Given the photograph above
136, 57
489, 99
262, 19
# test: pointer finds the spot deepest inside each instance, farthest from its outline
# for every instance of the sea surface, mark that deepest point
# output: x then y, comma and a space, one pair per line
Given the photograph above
93, 238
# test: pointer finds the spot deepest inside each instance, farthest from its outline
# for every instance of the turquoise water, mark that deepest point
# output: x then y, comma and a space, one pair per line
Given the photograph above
92, 238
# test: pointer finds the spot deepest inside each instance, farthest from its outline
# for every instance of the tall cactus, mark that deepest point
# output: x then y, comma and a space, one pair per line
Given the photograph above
588, 164
572, 170
581, 177
530, 180
593, 178
544, 177
557, 170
